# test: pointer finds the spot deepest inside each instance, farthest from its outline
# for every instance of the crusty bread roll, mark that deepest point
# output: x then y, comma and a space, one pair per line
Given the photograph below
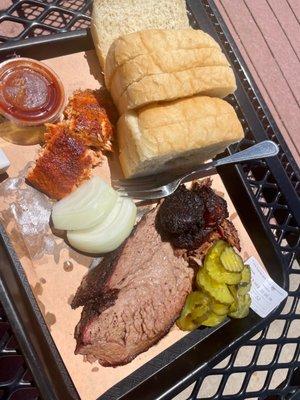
112, 18
163, 65
187, 131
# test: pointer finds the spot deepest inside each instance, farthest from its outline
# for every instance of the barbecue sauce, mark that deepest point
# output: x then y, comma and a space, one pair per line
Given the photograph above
30, 95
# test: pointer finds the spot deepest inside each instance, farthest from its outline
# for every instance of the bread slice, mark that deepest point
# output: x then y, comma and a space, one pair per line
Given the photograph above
175, 61
113, 18
217, 81
163, 65
156, 43
179, 133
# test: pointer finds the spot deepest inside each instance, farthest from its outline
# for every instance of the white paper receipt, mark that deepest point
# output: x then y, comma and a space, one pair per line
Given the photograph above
265, 293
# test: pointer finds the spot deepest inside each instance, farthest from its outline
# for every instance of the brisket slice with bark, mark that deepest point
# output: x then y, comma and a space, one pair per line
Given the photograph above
132, 298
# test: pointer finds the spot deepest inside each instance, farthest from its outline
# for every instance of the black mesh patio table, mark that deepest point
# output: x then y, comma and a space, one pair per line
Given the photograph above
264, 366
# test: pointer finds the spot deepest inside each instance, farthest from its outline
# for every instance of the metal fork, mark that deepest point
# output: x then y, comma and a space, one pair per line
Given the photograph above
162, 185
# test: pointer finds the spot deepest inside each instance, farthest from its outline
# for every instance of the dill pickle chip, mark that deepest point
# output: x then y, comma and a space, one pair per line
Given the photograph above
216, 250
217, 272
198, 317
214, 319
233, 306
219, 291
186, 323
199, 311
242, 308
233, 291
246, 275
196, 305
192, 300
231, 260
240, 313
219, 308
243, 289
215, 268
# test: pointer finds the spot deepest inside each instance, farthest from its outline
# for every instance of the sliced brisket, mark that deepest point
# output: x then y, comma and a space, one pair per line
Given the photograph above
132, 298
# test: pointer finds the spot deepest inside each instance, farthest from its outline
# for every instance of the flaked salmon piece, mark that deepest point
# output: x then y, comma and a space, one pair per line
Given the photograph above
88, 114
63, 163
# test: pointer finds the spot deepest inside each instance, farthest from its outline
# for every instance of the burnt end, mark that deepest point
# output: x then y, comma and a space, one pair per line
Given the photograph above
187, 217
228, 232
181, 212
200, 252
215, 206
180, 219
191, 240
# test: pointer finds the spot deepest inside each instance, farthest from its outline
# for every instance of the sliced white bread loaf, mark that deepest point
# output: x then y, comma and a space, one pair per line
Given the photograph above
156, 43
187, 132
113, 18
182, 66
217, 81
163, 65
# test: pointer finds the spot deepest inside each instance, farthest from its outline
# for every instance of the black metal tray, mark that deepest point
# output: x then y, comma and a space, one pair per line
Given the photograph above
270, 185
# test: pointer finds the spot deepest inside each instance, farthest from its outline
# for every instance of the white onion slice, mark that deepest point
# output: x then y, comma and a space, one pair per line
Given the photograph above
108, 235
86, 207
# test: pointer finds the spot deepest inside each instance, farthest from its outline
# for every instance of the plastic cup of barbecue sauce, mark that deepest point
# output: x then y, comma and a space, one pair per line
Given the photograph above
31, 94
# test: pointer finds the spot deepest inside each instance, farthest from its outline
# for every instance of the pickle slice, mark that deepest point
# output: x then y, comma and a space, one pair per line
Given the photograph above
217, 272
198, 317
233, 306
199, 310
219, 291
219, 308
233, 290
214, 319
216, 250
243, 289
193, 300
246, 276
243, 307
231, 260
196, 306
186, 323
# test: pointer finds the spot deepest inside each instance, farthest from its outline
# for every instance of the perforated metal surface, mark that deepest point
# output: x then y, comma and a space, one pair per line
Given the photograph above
16, 382
265, 367
267, 364
29, 18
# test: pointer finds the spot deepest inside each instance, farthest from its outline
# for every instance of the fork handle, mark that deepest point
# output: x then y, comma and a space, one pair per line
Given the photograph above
264, 149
